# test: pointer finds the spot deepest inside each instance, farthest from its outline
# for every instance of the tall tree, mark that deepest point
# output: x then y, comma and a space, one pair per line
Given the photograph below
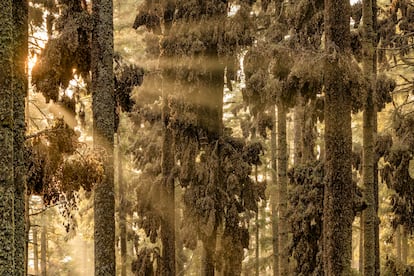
282, 163
274, 195
369, 115
103, 105
20, 22
338, 197
6, 140
122, 207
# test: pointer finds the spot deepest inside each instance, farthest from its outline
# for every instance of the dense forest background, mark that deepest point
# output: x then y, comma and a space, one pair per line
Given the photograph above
206, 137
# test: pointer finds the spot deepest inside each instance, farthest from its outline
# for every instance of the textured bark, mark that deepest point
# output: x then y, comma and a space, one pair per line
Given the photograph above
273, 196
282, 181
338, 197
369, 214
20, 22
6, 140
103, 134
375, 120
122, 210
168, 214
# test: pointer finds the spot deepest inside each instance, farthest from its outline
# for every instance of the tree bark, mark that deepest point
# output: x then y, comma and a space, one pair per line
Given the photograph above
167, 190
338, 196
274, 196
7, 190
369, 214
122, 211
282, 181
103, 134
20, 84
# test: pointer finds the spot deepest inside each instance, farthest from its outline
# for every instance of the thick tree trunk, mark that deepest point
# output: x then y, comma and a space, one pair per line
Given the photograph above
282, 180
20, 22
168, 191
369, 214
122, 211
274, 196
7, 190
103, 116
338, 197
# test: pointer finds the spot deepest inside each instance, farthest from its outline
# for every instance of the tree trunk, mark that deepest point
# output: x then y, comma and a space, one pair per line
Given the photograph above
103, 134
361, 244
35, 251
207, 259
257, 264
6, 140
369, 214
375, 120
282, 180
299, 127
20, 22
273, 196
338, 194
404, 244
43, 246
167, 191
398, 243
122, 210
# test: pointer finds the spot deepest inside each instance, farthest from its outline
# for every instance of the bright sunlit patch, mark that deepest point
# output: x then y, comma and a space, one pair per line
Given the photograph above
233, 10
31, 63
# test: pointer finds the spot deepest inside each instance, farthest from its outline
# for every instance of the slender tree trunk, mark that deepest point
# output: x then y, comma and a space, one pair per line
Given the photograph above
282, 180
361, 244
7, 190
20, 22
168, 190
369, 214
299, 127
398, 243
375, 120
257, 264
207, 259
404, 244
27, 229
103, 106
43, 246
35, 251
274, 196
122, 211
338, 193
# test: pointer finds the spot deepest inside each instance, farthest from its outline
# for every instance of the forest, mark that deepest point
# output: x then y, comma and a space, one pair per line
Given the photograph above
207, 137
